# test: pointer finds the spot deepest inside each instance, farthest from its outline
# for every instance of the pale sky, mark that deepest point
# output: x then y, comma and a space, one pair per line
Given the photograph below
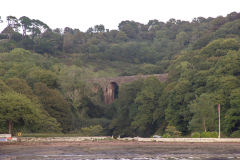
83, 14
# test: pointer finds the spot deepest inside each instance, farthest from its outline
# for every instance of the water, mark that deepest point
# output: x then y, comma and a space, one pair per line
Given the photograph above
121, 151
123, 157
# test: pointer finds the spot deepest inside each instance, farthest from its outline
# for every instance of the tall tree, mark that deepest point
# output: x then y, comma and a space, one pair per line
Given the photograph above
26, 24
147, 100
13, 23
204, 114
38, 27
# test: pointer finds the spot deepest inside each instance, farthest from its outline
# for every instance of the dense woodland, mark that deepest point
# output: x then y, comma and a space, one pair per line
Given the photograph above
44, 76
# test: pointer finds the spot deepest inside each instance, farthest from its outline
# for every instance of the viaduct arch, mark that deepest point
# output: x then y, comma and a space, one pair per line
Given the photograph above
110, 86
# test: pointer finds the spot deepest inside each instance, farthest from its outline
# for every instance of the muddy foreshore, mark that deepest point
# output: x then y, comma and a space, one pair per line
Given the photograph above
115, 148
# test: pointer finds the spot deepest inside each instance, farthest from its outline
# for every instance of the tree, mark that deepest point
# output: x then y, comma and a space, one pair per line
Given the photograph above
89, 110
53, 102
38, 27
99, 28
17, 109
20, 86
40, 75
72, 85
220, 46
68, 30
232, 121
198, 20
182, 39
121, 36
51, 42
26, 24
178, 96
124, 110
204, 114
13, 23
147, 101
232, 117
34, 26
172, 131
130, 28
90, 30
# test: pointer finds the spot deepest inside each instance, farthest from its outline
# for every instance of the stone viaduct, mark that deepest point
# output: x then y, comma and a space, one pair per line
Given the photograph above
110, 86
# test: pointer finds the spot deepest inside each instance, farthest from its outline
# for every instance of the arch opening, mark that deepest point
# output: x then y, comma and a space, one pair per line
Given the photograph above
115, 87
111, 92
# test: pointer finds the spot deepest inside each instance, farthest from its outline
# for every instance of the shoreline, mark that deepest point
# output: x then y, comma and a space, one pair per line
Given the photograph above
111, 144
116, 149
120, 140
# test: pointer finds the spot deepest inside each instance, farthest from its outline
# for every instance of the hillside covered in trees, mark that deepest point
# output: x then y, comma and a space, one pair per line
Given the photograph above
44, 76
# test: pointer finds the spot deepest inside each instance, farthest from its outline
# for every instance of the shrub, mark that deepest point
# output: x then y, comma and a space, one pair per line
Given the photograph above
209, 135
92, 130
195, 135
166, 135
236, 134
172, 131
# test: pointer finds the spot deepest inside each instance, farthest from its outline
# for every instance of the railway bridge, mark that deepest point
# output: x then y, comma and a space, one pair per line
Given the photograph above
110, 86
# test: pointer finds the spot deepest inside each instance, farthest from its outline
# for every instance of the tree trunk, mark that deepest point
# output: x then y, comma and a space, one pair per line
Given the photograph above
10, 125
204, 125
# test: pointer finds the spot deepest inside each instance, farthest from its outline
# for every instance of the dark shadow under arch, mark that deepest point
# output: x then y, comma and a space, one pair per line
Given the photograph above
114, 87
111, 93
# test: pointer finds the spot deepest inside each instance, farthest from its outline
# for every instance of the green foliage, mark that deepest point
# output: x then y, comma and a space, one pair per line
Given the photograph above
92, 130
234, 98
6, 46
202, 59
3, 87
89, 110
172, 131
124, 109
204, 114
220, 47
130, 28
196, 135
43, 76
166, 135
21, 86
19, 112
235, 134
177, 113
232, 120
147, 102
72, 85
20, 53
209, 135
53, 102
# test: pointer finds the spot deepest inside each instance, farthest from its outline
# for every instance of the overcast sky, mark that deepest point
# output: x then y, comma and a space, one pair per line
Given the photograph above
83, 14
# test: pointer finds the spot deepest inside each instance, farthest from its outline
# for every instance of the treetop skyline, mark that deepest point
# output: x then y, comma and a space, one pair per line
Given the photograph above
84, 14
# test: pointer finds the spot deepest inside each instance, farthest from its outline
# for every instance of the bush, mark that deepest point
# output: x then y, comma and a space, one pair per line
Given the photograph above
209, 135
166, 135
195, 135
172, 131
92, 130
236, 134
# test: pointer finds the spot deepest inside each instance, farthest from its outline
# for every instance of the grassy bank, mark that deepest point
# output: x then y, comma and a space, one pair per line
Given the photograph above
51, 135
